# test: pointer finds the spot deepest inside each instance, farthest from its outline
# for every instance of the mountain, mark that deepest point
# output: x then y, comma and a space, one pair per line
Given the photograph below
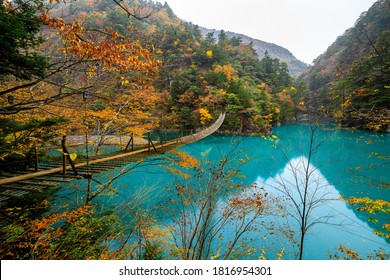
350, 81
295, 66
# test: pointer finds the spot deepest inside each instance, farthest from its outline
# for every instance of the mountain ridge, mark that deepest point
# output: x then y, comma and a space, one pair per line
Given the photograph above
296, 67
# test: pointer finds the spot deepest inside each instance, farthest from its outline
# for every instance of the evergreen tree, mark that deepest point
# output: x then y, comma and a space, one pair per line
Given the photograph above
19, 28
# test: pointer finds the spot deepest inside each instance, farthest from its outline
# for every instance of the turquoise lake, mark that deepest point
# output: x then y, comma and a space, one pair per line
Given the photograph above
347, 163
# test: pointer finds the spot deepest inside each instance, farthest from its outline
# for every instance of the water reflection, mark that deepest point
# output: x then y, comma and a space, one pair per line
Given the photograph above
330, 221
348, 163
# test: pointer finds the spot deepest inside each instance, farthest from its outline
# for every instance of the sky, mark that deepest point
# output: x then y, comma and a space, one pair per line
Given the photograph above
305, 27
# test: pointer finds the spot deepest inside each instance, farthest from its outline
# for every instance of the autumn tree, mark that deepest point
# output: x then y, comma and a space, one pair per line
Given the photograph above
83, 232
213, 214
100, 62
20, 25
304, 188
345, 253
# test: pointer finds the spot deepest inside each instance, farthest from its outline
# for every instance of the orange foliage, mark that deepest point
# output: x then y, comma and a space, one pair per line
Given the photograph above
229, 72
205, 116
180, 160
116, 71
185, 160
39, 234
108, 47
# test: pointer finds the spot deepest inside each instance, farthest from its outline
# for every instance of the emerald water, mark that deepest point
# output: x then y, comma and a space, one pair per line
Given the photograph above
346, 163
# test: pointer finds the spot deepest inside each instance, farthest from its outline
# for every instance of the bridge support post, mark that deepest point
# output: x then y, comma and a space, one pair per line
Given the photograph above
63, 143
65, 154
179, 137
150, 144
36, 158
131, 142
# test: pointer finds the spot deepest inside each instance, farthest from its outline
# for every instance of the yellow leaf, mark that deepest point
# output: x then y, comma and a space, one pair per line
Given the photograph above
73, 156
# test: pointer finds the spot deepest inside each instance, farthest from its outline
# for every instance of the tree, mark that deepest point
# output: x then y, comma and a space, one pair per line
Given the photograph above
207, 205
102, 62
83, 232
304, 189
82, 228
20, 25
345, 253
276, 72
210, 39
139, 11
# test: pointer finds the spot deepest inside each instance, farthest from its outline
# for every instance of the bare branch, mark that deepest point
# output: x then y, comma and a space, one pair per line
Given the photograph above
139, 12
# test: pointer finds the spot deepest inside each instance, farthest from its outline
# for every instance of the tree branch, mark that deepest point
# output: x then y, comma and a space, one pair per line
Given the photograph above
33, 83
132, 14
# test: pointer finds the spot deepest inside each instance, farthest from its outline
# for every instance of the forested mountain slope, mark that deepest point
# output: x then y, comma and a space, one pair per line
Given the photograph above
351, 80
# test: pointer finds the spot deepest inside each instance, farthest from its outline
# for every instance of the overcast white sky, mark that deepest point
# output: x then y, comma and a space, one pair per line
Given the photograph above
305, 27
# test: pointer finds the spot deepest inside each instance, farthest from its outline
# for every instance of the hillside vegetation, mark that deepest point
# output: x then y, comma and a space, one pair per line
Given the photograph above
104, 67
351, 80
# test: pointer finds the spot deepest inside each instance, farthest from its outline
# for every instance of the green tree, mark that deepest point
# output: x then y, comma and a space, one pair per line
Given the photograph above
19, 36
276, 72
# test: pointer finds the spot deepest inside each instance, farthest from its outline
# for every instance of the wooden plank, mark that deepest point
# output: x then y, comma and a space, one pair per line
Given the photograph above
49, 165
13, 193
33, 188
40, 179
28, 188
52, 179
13, 174
68, 177
34, 183
108, 165
93, 168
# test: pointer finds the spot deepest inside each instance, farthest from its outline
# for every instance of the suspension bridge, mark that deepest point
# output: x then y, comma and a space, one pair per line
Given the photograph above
17, 184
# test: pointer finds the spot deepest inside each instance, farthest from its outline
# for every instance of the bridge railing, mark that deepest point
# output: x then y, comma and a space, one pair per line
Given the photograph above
205, 132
